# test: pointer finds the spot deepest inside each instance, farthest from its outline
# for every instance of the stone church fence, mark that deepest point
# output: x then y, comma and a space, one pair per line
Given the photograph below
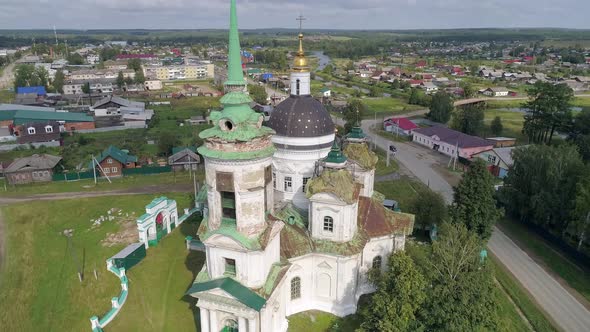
116, 302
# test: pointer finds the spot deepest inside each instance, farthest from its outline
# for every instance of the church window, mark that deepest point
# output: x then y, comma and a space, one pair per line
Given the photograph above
288, 183
305, 179
230, 267
297, 87
228, 205
328, 224
377, 262
295, 288
230, 325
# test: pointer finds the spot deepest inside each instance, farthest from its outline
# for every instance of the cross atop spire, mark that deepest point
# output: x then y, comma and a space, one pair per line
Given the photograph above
300, 18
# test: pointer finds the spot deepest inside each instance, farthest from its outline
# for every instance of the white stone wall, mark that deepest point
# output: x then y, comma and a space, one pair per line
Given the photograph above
382, 246
250, 193
364, 177
344, 217
252, 267
429, 142
304, 83
297, 164
328, 283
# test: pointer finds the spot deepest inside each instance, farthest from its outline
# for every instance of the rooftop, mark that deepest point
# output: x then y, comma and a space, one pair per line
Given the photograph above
454, 137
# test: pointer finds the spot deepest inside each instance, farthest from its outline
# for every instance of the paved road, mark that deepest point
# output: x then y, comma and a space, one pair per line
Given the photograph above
561, 306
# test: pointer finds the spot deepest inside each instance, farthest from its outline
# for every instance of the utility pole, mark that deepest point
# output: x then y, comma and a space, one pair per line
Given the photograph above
94, 169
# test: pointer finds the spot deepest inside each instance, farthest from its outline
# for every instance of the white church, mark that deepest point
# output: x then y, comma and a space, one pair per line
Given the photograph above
292, 222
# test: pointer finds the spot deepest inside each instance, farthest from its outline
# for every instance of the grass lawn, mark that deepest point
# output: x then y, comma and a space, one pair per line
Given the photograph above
521, 299
386, 106
404, 191
581, 101
512, 122
318, 321
40, 289
6, 96
576, 277
382, 168
87, 185
156, 299
504, 103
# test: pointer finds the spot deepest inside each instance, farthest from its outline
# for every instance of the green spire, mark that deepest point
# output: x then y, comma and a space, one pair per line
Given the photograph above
235, 75
335, 156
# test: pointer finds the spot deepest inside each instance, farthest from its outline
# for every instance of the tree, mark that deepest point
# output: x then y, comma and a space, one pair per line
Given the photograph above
128, 80
462, 293
139, 77
86, 88
540, 188
134, 64
120, 80
430, 209
441, 107
258, 93
548, 110
58, 81
205, 54
579, 133
474, 205
373, 91
468, 119
166, 141
353, 113
400, 294
580, 225
468, 90
75, 59
496, 126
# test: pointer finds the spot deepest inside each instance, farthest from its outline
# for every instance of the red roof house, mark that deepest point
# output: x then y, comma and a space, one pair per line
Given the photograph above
404, 124
421, 64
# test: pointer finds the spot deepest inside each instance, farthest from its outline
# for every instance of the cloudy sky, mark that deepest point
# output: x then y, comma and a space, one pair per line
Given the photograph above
339, 14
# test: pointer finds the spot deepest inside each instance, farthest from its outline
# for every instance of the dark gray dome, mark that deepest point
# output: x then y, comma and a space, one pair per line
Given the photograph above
301, 116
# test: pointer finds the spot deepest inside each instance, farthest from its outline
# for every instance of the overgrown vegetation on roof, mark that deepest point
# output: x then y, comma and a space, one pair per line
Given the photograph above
337, 182
360, 153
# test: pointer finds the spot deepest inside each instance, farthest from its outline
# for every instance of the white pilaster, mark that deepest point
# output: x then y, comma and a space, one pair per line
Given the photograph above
252, 325
242, 324
204, 320
213, 321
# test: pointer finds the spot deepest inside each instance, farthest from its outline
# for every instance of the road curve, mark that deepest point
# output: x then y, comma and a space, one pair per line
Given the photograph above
567, 312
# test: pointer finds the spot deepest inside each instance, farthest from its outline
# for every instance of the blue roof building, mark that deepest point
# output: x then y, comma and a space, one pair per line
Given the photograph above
39, 90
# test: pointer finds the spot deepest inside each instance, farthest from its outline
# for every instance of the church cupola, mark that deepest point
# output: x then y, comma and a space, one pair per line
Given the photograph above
335, 159
300, 76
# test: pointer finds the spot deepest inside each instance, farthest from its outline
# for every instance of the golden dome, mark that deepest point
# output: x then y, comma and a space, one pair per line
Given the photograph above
300, 62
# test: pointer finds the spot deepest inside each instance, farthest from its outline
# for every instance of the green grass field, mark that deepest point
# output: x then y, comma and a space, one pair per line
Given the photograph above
382, 168
404, 191
576, 277
318, 321
6, 96
40, 289
387, 106
511, 121
156, 299
87, 185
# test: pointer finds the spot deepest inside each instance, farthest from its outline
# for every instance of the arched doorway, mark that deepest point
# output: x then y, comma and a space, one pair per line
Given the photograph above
230, 325
161, 227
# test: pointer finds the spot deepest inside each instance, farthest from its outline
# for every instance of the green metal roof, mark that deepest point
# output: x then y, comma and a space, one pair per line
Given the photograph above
242, 293
115, 153
25, 116
7, 115
235, 75
356, 132
335, 155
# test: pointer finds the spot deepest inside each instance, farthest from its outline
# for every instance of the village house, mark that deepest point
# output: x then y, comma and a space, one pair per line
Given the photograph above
499, 160
115, 65
495, 92
153, 85
184, 159
402, 126
36, 168
38, 132
451, 142
428, 87
326, 92
112, 161
68, 121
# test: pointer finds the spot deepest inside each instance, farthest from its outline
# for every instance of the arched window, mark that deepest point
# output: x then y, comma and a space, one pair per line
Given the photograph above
377, 262
297, 88
295, 288
328, 224
230, 325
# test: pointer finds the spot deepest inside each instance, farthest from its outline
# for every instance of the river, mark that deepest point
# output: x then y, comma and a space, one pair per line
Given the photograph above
324, 59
